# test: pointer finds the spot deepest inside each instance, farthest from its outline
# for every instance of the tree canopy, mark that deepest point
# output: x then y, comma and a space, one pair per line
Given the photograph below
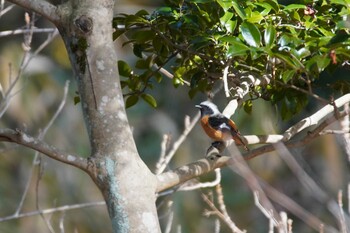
260, 48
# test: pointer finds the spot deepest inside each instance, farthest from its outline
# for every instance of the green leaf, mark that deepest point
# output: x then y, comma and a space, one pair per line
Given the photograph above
225, 4
192, 92
202, 1
255, 17
166, 11
134, 20
141, 13
248, 106
251, 34
142, 64
270, 36
117, 33
124, 68
131, 101
303, 52
294, 7
287, 75
149, 99
239, 10
340, 37
143, 36
76, 100
226, 21
274, 4
287, 59
237, 48
341, 2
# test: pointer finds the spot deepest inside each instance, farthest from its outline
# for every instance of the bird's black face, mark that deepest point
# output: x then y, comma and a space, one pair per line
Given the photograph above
205, 110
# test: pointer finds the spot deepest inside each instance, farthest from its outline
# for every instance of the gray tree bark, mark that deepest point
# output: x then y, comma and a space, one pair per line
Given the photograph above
125, 181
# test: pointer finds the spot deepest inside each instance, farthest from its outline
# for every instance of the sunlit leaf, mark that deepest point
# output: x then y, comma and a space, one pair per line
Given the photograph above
239, 10
124, 68
251, 34
270, 36
294, 7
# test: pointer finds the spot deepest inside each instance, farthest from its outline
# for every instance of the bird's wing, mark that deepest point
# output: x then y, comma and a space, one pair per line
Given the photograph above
219, 122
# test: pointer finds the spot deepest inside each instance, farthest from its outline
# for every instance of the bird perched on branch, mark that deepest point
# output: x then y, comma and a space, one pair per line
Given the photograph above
217, 126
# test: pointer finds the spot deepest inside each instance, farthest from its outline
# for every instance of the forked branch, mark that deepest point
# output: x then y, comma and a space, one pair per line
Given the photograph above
44, 8
21, 138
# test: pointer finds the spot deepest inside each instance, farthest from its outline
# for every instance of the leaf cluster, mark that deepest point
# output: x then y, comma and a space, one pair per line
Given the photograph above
287, 45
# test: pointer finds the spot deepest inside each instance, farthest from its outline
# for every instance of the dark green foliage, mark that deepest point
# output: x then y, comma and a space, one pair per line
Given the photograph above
290, 45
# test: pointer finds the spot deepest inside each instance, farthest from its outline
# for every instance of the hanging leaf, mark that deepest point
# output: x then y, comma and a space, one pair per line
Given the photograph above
124, 68
239, 10
251, 34
131, 101
149, 99
270, 36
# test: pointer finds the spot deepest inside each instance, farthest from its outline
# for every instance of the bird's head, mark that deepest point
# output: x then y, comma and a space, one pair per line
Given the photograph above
208, 108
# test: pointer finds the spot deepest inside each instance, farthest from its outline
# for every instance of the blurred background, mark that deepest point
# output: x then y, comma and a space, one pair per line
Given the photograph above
39, 92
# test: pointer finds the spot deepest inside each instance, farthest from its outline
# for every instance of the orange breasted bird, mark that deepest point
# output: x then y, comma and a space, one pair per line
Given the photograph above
217, 126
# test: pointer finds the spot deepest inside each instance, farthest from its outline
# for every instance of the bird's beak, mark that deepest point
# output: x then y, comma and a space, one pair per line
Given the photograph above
198, 106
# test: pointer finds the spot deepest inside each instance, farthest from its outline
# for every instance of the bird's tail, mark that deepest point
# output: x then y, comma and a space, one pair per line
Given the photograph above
239, 141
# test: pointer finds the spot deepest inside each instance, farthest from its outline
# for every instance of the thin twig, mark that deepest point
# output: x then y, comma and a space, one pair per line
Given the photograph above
224, 78
41, 167
61, 224
201, 185
6, 10
53, 210
223, 210
24, 31
294, 208
220, 215
239, 166
343, 226
309, 184
178, 143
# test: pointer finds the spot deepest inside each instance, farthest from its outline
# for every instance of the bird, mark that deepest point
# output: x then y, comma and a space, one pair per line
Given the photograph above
217, 126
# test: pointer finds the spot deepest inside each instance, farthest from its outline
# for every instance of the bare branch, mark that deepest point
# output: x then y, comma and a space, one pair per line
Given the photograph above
310, 185
19, 137
294, 208
54, 210
24, 31
221, 216
41, 7
201, 185
224, 77
177, 144
343, 226
239, 166
223, 210
315, 118
189, 171
263, 139
6, 10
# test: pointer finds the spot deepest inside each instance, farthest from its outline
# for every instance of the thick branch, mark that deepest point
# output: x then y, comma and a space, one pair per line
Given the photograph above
315, 118
19, 137
189, 171
43, 8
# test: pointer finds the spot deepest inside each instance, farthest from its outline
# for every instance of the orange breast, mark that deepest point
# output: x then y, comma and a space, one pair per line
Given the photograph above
212, 133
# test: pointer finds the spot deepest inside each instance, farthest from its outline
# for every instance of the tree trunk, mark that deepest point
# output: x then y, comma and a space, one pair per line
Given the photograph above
125, 181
